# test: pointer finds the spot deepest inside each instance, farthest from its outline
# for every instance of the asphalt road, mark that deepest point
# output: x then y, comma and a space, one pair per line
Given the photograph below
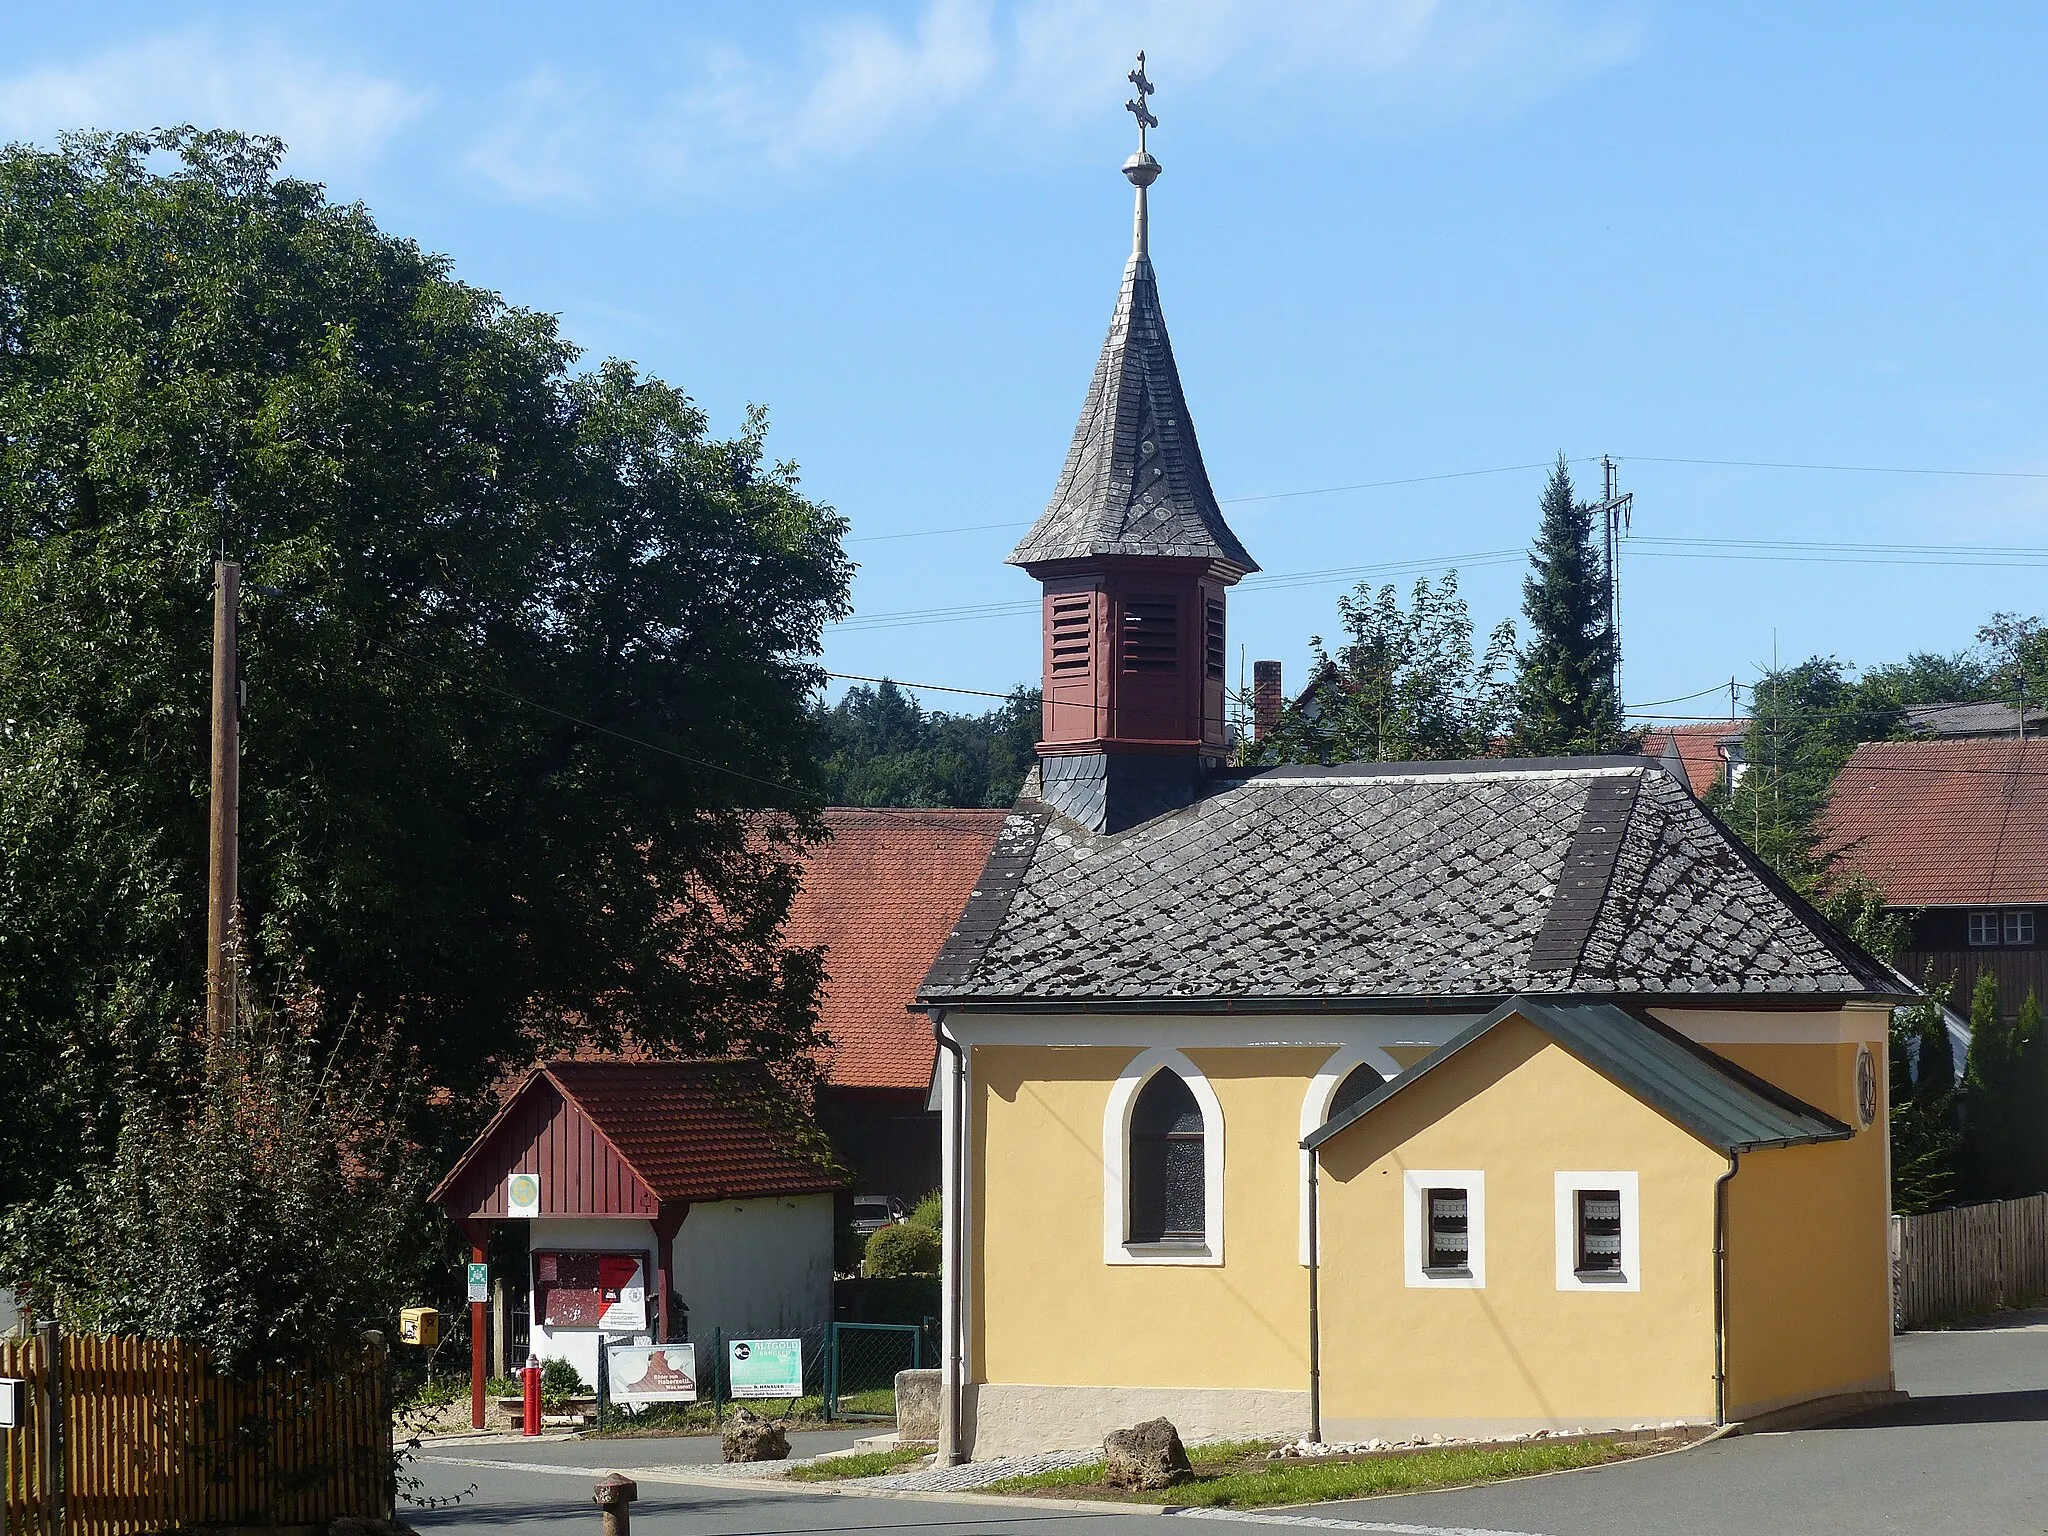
1966, 1455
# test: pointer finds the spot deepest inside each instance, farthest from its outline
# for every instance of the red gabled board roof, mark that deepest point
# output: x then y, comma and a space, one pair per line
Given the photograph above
881, 894
1944, 823
618, 1138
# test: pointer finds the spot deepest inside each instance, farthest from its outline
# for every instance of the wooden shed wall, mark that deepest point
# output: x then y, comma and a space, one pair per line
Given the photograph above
546, 1134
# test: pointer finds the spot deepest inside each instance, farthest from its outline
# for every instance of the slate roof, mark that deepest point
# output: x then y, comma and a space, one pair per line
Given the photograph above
1982, 718
1943, 823
1727, 1108
718, 1129
880, 894
1134, 483
1400, 881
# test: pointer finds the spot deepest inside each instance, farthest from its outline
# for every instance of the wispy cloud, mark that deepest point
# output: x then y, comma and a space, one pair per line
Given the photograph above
985, 75
332, 117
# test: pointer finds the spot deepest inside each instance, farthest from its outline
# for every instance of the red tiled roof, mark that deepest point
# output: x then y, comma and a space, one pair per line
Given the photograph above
679, 1130
881, 894
1944, 823
1698, 748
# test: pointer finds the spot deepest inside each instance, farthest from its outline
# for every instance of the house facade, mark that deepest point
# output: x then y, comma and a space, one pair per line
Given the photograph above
1955, 833
1371, 1098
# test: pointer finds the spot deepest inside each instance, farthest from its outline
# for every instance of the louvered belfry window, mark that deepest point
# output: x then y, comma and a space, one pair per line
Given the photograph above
1167, 1195
1599, 1231
1151, 639
1072, 631
1212, 650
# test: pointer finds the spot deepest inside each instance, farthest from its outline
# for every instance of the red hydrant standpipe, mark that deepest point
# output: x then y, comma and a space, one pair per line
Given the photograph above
613, 1495
529, 1388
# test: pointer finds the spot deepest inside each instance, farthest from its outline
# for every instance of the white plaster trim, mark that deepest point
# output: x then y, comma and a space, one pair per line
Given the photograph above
1207, 1032
1568, 1185
1315, 1105
1414, 1182
1843, 1026
1116, 1158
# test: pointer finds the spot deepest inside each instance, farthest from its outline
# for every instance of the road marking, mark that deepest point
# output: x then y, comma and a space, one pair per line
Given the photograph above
1325, 1523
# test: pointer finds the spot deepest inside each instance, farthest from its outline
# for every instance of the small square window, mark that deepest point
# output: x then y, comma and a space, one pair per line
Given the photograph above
2019, 927
1984, 929
1450, 1232
1599, 1230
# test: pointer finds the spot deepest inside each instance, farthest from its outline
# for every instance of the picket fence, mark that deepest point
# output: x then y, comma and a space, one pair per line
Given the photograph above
149, 1438
1969, 1261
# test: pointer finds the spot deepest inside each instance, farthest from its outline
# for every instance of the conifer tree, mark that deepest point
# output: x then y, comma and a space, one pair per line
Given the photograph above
1991, 1155
1923, 1107
1565, 689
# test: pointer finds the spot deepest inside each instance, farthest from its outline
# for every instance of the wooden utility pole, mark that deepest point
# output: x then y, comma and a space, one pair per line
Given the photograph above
223, 853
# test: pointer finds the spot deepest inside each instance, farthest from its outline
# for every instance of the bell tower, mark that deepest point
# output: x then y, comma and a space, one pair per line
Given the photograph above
1136, 563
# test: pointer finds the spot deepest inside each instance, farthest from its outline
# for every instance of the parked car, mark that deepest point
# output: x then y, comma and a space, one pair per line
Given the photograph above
871, 1213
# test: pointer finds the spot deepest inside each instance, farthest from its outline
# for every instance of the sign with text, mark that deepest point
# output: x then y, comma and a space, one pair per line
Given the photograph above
765, 1367
591, 1290
657, 1373
479, 1283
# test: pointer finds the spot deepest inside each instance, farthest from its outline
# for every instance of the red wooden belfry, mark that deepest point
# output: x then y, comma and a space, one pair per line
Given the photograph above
638, 1141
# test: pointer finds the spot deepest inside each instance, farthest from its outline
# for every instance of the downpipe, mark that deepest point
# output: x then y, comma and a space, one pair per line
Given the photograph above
1721, 1290
1315, 1321
953, 1204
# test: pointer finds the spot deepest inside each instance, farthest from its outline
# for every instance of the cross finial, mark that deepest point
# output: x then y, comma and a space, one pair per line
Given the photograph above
1136, 105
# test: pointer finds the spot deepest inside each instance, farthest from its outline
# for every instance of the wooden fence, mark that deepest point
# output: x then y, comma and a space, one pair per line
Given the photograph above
1965, 1262
152, 1439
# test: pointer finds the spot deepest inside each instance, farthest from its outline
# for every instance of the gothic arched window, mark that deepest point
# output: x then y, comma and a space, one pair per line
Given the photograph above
1360, 1081
1168, 1174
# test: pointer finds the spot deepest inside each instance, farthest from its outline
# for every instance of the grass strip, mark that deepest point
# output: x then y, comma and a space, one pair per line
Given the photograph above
1314, 1482
864, 1464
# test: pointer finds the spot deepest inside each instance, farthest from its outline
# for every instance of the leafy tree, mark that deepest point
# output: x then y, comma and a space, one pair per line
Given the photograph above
263, 1199
879, 746
1565, 698
907, 1248
1924, 1135
2017, 672
536, 652
1404, 685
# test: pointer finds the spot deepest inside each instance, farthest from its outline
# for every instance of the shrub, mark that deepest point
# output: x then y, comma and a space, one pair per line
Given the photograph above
560, 1381
930, 1211
904, 1249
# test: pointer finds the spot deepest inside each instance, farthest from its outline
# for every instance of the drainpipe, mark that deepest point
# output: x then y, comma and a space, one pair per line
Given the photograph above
952, 1355
1315, 1328
1721, 1289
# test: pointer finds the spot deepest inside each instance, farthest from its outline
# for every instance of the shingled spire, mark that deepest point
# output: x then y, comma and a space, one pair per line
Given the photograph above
1134, 483
1135, 559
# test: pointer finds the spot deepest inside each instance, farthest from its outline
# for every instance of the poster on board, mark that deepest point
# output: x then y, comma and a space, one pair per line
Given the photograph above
765, 1367
591, 1290
652, 1373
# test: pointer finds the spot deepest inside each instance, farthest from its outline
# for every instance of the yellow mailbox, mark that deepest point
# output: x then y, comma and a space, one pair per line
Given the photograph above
419, 1325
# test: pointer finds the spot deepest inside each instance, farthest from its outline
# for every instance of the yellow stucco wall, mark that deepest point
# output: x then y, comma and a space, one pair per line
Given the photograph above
1052, 1311
1809, 1264
1520, 1109
1808, 1271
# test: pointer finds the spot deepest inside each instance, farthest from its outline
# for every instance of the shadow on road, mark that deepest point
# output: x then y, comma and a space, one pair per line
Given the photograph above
1953, 1408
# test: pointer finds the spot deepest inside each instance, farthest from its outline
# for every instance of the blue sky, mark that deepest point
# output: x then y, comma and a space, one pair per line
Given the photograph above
1397, 241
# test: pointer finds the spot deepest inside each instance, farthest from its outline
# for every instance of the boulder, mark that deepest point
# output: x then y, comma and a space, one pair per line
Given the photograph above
917, 1406
749, 1437
1147, 1455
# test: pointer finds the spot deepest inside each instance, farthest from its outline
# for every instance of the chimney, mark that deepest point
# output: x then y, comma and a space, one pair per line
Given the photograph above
1268, 699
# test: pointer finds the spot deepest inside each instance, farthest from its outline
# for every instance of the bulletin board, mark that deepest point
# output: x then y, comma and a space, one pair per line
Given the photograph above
575, 1288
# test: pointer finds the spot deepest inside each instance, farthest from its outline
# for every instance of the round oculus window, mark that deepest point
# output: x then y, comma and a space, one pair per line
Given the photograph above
1866, 1086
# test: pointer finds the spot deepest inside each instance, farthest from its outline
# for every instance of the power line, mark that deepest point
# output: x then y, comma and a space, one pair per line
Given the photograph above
606, 730
1846, 469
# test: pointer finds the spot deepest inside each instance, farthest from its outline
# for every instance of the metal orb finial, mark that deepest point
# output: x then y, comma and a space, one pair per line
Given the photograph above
1142, 169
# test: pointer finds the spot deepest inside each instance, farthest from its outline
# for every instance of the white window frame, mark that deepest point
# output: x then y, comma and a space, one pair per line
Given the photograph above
2011, 921
1322, 1092
1416, 1183
1986, 920
1116, 1164
1568, 1276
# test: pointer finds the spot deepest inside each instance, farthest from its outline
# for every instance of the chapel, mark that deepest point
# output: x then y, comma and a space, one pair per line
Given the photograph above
1371, 1099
